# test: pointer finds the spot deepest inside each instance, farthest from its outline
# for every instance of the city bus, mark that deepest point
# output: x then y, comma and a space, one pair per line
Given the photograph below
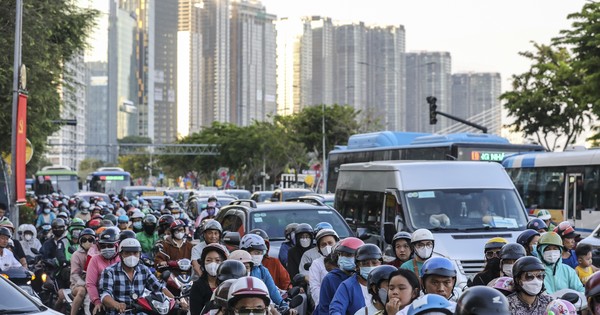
388, 145
108, 180
565, 183
56, 178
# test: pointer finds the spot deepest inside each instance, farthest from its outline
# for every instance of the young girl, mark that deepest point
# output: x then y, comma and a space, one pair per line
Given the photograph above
403, 289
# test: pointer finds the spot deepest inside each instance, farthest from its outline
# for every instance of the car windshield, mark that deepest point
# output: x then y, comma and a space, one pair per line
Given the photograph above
274, 222
470, 209
294, 194
15, 301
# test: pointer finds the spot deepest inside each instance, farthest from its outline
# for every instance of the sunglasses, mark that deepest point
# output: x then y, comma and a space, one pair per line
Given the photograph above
102, 246
88, 240
529, 276
251, 311
492, 253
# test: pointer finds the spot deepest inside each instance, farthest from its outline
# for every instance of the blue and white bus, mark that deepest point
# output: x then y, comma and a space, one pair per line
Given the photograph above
108, 180
388, 145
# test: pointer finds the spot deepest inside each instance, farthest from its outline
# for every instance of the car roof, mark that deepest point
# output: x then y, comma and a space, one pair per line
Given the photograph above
293, 189
138, 187
275, 206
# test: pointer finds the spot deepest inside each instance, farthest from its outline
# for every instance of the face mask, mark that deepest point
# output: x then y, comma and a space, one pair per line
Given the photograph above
58, 233
86, 245
346, 263
305, 242
179, 235
551, 256
149, 229
46, 211
364, 271
383, 295
28, 237
493, 264
424, 252
507, 269
326, 250
108, 253
212, 268
210, 211
131, 261
257, 259
533, 287
534, 248
137, 225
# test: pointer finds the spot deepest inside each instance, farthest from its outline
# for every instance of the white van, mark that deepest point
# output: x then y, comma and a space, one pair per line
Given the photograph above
379, 198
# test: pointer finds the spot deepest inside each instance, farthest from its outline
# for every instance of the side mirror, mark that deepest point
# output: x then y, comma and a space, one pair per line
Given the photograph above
165, 275
388, 232
35, 251
296, 301
294, 292
298, 280
232, 239
364, 236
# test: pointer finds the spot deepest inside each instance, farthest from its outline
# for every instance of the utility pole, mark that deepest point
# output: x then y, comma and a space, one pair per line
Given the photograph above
14, 211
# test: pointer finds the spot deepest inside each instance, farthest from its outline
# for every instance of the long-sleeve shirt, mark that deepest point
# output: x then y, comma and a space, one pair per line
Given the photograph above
329, 286
278, 273
283, 252
174, 251
92, 277
307, 258
517, 307
316, 274
560, 276
45, 218
78, 260
263, 274
348, 298
8, 260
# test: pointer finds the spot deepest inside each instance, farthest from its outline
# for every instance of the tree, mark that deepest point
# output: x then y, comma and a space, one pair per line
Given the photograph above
543, 101
53, 32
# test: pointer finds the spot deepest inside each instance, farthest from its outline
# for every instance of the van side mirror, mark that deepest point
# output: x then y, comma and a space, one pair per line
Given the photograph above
389, 230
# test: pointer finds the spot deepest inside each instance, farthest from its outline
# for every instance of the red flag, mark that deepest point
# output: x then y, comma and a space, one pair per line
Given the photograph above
20, 154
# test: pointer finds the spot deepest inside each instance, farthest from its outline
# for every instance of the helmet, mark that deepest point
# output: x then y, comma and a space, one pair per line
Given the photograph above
109, 236
248, 287
176, 225
368, 251
537, 224
58, 223
565, 230
221, 293
137, 214
241, 255
525, 237
76, 223
212, 198
112, 218
7, 224
87, 231
261, 233
481, 300
422, 235
150, 219
560, 307
220, 249
5, 231
495, 243
349, 245
123, 219
126, 234
322, 225
84, 206
401, 236
524, 264
544, 214
326, 232
94, 224
549, 238
430, 303
512, 251
504, 284
165, 220
252, 241
130, 245
437, 266
376, 276
289, 229
231, 269
592, 286
63, 215
212, 225
303, 228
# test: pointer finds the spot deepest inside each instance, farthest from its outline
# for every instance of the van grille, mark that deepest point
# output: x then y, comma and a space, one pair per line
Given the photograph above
471, 267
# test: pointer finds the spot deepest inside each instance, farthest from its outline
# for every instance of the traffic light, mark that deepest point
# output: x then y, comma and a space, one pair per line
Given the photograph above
432, 110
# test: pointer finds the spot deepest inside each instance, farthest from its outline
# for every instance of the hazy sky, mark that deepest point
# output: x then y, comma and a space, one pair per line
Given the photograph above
481, 35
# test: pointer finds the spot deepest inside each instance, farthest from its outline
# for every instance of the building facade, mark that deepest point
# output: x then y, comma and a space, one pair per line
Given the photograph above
476, 98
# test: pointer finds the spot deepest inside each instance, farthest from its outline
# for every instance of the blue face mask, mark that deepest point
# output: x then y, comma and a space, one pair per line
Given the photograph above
346, 263
46, 211
137, 225
364, 271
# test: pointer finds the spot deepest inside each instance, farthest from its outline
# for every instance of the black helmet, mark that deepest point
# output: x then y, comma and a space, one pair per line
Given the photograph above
5, 231
525, 237
482, 300
150, 219
59, 223
368, 251
87, 231
261, 233
537, 224
126, 234
512, 251
231, 269
112, 218
289, 229
303, 228
376, 276
165, 221
109, 236
524, 264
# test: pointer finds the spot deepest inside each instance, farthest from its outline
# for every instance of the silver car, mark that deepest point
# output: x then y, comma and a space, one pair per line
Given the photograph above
16, 301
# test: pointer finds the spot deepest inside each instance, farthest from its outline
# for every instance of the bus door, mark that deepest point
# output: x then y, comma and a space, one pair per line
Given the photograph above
573, 197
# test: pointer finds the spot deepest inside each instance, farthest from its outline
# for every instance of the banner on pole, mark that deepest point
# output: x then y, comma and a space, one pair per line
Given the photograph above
21, 148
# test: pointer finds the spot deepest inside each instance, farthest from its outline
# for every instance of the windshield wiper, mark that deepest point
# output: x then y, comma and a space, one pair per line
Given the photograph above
19, 311
443, 229
487, 228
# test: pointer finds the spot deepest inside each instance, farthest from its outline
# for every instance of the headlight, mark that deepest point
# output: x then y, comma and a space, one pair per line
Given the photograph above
44, 277
184, 264
161, 307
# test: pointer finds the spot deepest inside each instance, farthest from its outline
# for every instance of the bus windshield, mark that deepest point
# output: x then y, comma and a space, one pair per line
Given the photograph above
47, 184
110, 184
465, 209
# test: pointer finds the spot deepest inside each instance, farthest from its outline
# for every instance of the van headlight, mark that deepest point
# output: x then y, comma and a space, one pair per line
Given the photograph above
161, 307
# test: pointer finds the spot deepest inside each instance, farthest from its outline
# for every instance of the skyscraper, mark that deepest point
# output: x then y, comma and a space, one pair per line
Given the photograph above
253, 63
322, 60
475, 97
96, 113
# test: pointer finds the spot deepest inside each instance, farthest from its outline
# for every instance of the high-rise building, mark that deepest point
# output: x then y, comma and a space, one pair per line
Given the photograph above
476, 98
322, 64
252, 63
96, 113
349, 66
427, 74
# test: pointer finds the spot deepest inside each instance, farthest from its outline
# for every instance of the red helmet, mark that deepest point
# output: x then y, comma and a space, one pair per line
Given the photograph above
565, 230
349, 245
177, 224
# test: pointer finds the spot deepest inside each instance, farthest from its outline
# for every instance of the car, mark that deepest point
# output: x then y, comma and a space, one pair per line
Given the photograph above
324, 199
244, 215
197, 202
156, 201
134, 191
85, 195
594, 240
16, 301
283, 194
262, 196
238, 193
179, 194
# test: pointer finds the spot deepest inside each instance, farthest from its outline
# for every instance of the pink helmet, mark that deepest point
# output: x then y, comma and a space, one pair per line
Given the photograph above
561, 307
503, 284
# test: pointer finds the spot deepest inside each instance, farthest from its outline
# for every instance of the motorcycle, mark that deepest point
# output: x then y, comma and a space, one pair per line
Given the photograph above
22, 278
153, 303
178, 276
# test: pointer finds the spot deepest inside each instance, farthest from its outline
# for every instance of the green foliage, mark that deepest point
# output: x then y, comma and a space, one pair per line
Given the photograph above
53, 32
87, 166
543, 101
136, 165
27, 214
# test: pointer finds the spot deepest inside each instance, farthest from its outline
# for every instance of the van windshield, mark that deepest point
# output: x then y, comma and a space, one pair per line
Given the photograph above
465, 209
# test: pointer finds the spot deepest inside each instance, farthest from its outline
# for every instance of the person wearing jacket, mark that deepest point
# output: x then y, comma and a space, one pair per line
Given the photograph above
422, 244
290, 241
107, 243
87, 237
29, 239
148, 237
304, 241
353, 294
344, 255
175, 247
55, 247
402, 250
276, 269
326, 239
213, 255
568, 236
558, 275
314, 253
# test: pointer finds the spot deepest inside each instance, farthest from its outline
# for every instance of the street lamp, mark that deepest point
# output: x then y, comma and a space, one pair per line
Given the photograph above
323, 165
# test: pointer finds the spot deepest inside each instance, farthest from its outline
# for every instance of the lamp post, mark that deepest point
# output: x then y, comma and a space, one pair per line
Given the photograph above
323, 165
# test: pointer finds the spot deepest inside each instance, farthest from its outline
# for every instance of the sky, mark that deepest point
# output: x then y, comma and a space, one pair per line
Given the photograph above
481, 35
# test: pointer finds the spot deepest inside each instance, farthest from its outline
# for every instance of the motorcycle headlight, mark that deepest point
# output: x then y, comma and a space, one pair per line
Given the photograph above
44, 277
161, 307
184, 264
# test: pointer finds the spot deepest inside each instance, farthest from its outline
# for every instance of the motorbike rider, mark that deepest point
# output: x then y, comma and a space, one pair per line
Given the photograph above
313, 253
290, 241
529, 296
213, 255
84, 211
592, 293
537, 225
212, 233
422, 244
402, 250
344, 256
3, 209
175, 247
211, 210
304, 241
123, 222
136, 220
558, 275
86, 239
491, 270
148, 237
377, 285
326, 240
438, 276
164, 222
430, 304
47, 215
29, 239
568, 236
107, 243
56, 246
276, 269
529, 240
249, 295
14, 244
7, 258
72, 237
482, 300
349, 297
119, 281
547, 218
508, 255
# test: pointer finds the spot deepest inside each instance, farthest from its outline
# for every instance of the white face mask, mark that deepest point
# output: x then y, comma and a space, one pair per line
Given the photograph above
179, 235
326, 250
131, 261
305, 242
257, 259
28, 237
424, 252
551, 256
211, 268
507, 269
533, 287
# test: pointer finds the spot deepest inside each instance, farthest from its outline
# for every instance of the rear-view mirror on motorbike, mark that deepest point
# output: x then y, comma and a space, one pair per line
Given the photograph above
296, 301
165, 275
35, 251
294, 292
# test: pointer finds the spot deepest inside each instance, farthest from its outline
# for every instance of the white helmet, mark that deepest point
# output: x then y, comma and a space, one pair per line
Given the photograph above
248, 287
422, 235
241, 255
130, 245
137, 214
